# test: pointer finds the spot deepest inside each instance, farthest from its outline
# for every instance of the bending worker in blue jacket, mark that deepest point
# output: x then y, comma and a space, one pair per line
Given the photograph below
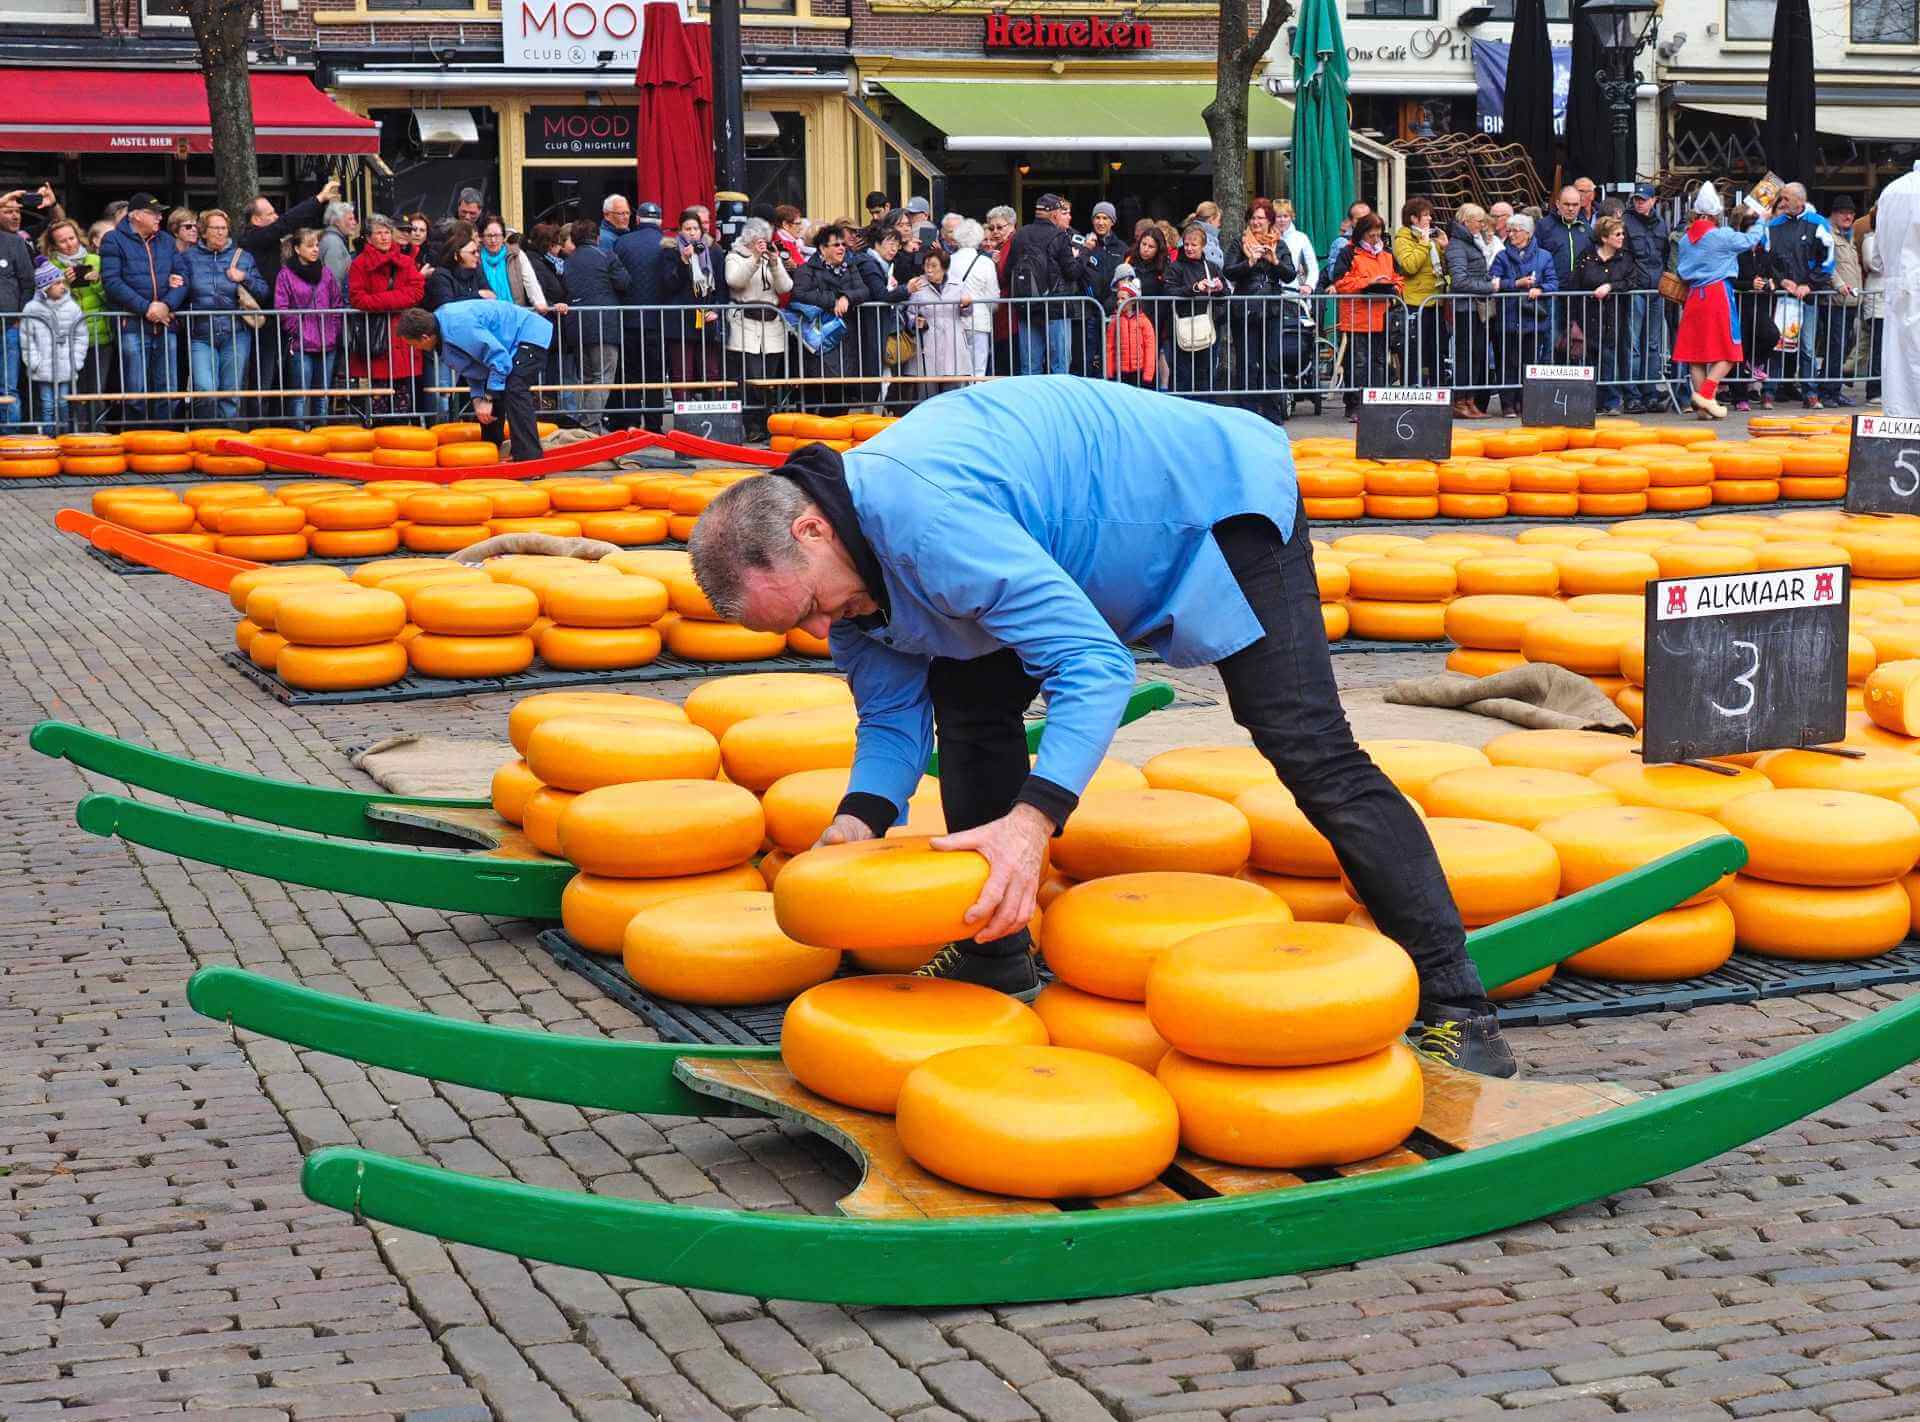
1011, 539
498, 349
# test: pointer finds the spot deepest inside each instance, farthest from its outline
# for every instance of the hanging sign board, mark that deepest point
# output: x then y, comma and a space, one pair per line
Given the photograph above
1559, 395
1405, 424
582, 131
1745, 662
1883, 465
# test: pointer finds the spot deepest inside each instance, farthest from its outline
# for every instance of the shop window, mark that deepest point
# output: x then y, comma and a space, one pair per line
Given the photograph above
1392, 9
164, 14
1557, 11
46, 12
800, 8
1886, 22
1749, 20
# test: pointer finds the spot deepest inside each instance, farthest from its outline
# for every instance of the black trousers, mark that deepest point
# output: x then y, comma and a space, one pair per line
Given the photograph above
515, 405
1281, 688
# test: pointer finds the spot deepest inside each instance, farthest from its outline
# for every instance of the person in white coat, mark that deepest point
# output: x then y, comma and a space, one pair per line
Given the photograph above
1896, 229
756, 280
975, 270
940, 310
54, 343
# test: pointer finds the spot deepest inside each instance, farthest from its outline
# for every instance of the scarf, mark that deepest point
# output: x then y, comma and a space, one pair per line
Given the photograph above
493, 272
308, 272
1700, 227
822, 475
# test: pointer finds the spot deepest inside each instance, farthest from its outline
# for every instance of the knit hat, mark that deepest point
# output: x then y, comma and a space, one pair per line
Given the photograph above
1106, 210
1707, 203
45, 274
1126, 282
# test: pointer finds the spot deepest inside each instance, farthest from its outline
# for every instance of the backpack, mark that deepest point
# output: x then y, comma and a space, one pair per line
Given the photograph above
1031, 274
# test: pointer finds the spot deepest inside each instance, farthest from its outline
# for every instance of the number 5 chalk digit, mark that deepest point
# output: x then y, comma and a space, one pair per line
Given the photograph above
1904, 460
1746, 680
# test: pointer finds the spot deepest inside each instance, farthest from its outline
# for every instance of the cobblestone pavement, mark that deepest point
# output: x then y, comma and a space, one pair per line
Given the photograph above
156, 1254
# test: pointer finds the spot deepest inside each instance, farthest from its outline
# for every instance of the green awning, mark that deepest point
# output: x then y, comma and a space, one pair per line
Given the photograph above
1141, 115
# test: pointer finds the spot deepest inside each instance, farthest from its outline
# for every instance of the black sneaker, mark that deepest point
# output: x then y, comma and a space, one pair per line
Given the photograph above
1011, 973
1462, 1036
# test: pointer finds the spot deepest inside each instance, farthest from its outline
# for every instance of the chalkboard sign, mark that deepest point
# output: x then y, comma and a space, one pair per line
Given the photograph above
1745, 662
1405, 424
1557, 395
710, 419
1883, 465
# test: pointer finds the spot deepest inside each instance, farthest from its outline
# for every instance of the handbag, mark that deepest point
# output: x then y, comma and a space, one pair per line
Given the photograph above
1194, 333
901, 348
246, 301
367, 340
1674, 289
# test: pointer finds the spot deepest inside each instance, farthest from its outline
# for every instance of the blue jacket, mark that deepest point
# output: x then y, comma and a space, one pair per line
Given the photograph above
1522, 313
639, 251
1565, 242
1802, 248
478, 338
1648, 240
208, 289
135, 273
1716, 256
1061, 517
609, 234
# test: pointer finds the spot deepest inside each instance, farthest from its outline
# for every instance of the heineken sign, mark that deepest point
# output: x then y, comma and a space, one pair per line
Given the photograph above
1090, 35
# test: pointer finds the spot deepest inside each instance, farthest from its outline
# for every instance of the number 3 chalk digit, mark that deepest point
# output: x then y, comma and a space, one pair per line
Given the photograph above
1746, 680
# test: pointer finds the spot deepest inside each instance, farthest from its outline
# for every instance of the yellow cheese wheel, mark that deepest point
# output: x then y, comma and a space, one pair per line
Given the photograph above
624, 527
770, 865
353, 542
1676, 787
1135, 831
530, 711
1799, 554
717, 704
1672, 500
1103, 935
540, 818
1475, 661
264, 648
687, 597
147, 515
720, 950
1362, 544
1512, 794
156, 442
587, 752
697, 641
244, 632
338, 614
1410, 764
1826, 838
513, 785
246, 581
1575, 751
1669, 947
891, 960
761, 749
1585, 642
1107, 1025
1693, 560
854, 1040
466, 454
1495, 621
1290, 1117
627, 601
1282, 994
1504, 574
1597, 845
404, 437
800, 806
370, 575
350, 511
879, 893
1891, 699
243, 519
1598, 570
558, 527
586, 495
481, 609
658, 829
1332, 579
805, 644
1310, 900
1282, 840
445, 507
1493, 870
264, 595
1876, 772
1400, 580
1795, 921
596, 910
1220, 771
409, 584
340, 668
1396, 621
1335, 620
464, 658
1042, 1123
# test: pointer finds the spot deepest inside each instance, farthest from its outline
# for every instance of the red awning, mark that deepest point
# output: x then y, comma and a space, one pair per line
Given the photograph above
164, 110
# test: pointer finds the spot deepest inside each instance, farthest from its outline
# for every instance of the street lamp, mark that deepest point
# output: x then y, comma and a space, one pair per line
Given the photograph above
1621, 28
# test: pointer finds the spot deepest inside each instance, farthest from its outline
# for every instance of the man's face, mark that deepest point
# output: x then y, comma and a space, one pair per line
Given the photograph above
468, 212
1795, 203
348, 223
1585, 188
1061, 216
812, 594
875, 214
1643, 206
1102, 224
1568, 204
263, 214
1842, 222
145, 221
421, 343
9, 217
620, 215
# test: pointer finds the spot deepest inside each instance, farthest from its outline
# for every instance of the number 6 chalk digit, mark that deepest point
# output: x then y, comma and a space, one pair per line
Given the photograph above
1746, 680
1401, 427
1903, 459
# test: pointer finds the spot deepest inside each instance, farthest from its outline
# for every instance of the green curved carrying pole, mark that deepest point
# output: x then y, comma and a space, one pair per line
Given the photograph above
1090, 1253
317, 808
457, 882
1147, 697
592, 1072
1553, 933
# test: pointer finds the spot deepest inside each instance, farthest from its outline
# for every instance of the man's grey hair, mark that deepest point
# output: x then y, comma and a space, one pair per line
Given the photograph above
1500, 209
1520, 222
1798, 190
612, 198
1003, 214
470, 195
969, 233
749, 528
335, 211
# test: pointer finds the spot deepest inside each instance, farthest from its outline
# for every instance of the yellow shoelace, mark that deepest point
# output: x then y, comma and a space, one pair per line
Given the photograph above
1439, 1039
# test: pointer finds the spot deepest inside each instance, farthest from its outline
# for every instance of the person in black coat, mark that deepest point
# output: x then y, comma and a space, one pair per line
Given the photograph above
642, 253
1045, 263
1467, 276
1607, 270
692, 276
549, 246
261, 233
456, 273
1195, 283
595, 283
1266, 346
832, 284
1754, 289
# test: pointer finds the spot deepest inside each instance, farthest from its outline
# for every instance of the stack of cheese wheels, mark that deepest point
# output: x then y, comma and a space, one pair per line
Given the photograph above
1288, 857
158, 451
603, 509
470, 627
1396, 599
1595, 845
1489, 627
686, 502
1823, 871
339, 636
1284, 1038
1100, 938
795, 431
242, 588
1745, 474
445, 521
354, 525
258, 528
405, 447
97, 456
602, 623
1330, 572
1139, 831
1401, 488
700, 634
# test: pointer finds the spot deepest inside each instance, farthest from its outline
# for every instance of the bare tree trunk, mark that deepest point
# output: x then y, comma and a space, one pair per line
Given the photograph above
1226, 116
220, 28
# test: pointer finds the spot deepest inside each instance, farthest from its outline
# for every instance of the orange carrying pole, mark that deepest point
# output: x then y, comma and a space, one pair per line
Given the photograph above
209, 570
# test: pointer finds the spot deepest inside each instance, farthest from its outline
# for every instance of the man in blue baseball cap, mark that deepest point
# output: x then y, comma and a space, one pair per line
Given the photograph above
1648, 244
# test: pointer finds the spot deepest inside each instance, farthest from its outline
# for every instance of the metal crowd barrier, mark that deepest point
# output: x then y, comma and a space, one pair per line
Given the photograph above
616, 367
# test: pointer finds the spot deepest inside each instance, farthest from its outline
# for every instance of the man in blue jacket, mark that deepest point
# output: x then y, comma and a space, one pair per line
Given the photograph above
138, 276
640, 253
1011, 539
1800, 244
1649, 240
499, 349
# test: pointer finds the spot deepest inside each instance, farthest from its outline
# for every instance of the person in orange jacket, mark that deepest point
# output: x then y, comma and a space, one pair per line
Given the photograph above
1133, 346
1374, 284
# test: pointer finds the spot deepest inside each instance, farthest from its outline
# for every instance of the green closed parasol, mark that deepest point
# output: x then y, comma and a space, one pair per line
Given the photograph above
1322, 186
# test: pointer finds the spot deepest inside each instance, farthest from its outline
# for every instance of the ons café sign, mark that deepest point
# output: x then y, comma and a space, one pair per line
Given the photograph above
1088, 36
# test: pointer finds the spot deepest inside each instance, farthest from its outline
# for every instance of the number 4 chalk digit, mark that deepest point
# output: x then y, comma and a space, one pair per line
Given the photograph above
1746, 680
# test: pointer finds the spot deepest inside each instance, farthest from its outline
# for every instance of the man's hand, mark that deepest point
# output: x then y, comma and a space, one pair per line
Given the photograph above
330, 193
157, 311
1015, 847
483, 411
845, 829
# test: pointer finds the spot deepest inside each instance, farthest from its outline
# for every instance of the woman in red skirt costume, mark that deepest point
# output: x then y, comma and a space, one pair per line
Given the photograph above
1708, 342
